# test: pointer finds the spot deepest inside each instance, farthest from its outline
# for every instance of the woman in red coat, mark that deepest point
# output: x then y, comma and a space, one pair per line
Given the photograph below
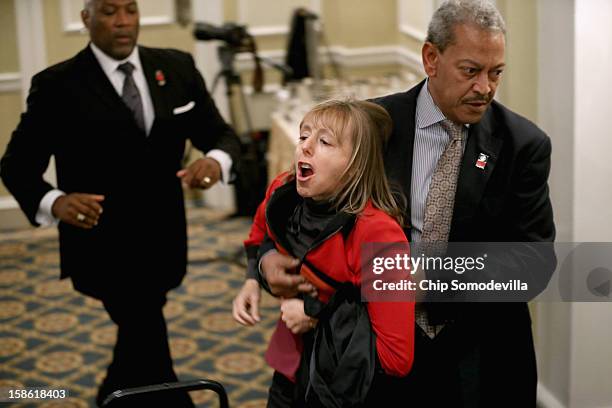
334, 200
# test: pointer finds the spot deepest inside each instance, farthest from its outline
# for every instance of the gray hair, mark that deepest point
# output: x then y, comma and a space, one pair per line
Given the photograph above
451, 13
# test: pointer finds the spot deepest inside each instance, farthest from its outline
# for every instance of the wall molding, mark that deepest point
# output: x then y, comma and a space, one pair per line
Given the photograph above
413, 32
272, 29
263, 31
10, 82
409, 29
30, 41
70, 25
347, 57
361, 56
410, 59
78, 27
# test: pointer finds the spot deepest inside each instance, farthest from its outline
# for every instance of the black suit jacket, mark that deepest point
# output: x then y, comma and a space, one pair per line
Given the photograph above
74, 113
508, 201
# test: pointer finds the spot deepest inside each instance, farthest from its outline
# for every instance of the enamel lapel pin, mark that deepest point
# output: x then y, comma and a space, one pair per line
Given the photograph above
159, 76
481, 163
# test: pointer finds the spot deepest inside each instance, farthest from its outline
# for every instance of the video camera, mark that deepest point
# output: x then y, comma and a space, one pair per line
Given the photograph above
233, 34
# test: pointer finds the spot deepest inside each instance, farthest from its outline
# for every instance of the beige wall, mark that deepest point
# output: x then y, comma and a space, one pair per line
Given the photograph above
9, 58
520, 83
10, 102
62, 45
10, 108
360, 23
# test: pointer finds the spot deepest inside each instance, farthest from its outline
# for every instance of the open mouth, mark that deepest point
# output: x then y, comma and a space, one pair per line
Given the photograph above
304, 171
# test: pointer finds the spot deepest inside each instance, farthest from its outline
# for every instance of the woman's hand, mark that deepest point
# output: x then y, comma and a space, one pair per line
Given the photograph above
245, 308
292, 313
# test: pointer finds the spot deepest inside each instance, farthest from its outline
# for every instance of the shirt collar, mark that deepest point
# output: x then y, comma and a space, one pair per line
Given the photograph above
427, 112
109, 65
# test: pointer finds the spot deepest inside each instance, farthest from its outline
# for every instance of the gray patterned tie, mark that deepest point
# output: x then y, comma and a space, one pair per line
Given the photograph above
131, 95
440, 203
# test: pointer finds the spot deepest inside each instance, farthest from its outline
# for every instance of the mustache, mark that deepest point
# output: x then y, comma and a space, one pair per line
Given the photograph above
478, 98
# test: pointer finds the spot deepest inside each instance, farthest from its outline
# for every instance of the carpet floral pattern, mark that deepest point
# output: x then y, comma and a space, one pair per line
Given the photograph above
51, 336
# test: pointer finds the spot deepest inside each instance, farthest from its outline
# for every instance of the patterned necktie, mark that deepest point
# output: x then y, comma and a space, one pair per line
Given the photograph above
439, 206
441, 196
131, 95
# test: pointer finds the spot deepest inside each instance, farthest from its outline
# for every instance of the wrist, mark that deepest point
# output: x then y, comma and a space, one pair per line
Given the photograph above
217, 166
250, 282
56, 205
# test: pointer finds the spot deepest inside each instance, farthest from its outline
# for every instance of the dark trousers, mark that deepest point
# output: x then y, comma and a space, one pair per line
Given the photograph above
141, 355
282, 392
464, 367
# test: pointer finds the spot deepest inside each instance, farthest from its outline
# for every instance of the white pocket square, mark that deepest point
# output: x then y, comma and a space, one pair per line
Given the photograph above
183, 109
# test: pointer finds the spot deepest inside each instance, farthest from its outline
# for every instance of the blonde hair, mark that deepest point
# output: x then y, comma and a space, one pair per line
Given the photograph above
368, 126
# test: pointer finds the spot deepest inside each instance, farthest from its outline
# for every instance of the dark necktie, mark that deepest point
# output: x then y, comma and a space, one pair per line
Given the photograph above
131, 95
439, 208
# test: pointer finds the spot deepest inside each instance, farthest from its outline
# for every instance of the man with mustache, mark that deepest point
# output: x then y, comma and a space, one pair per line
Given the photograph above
473, 171
116, 117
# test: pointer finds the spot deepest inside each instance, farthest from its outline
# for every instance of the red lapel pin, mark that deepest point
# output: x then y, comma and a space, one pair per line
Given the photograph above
159, 76
481, 163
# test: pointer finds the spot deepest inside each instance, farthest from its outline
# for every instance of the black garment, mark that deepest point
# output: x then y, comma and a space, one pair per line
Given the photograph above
343, 361
507, 201
307, 222
297, 52
281, 393
339, 364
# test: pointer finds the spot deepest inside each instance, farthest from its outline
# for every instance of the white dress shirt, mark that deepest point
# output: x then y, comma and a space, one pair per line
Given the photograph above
44, 215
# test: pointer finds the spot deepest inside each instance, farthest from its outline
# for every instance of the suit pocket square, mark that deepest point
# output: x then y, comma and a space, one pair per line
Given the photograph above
184, 108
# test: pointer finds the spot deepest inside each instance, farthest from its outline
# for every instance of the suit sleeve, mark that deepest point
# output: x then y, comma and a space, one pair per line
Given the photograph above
209, 130
29, 149
392, 321
257, 234
530, 254
533, 223
256, 237
535, 216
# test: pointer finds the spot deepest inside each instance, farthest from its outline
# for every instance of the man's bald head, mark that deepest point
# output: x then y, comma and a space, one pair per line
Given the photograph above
113, 25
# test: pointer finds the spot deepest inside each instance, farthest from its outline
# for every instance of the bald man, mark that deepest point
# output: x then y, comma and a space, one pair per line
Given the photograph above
116, 117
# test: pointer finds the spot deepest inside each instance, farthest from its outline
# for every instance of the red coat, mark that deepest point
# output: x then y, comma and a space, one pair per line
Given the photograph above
338, 256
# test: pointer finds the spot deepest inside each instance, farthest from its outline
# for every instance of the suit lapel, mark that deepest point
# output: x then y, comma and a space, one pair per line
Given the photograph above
97, 81
399, 151
151, 66
472, 179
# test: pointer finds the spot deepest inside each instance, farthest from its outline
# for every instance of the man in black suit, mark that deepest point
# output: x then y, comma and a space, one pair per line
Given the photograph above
466, 355
116, 117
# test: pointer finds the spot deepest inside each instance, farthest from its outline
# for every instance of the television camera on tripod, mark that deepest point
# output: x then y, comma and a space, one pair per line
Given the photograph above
252, 175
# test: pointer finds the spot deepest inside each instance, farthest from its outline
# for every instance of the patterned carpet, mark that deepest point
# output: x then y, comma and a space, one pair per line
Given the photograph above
50, 336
